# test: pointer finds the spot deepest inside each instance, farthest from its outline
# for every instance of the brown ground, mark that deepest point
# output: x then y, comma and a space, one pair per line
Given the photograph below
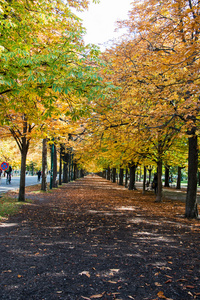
92, 239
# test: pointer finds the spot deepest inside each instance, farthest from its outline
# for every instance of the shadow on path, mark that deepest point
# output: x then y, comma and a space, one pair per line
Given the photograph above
92, 239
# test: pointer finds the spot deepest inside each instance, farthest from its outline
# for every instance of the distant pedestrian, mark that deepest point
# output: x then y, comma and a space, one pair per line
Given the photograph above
155, 183
39, 173
9, 172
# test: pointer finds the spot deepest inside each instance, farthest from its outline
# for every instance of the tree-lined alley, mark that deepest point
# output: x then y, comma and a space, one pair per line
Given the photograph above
136, 104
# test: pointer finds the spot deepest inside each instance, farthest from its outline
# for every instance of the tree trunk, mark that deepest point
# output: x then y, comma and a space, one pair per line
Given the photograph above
178, 183
150, 170
108, 173
191, 210
54, 183
60, 165
114, 175
166, 176
65, 168
44, 165
198, 178
121, 175
126, 178
159, 191
132, 178
23, 144
69, 166
75, 171
144, 180
24, 151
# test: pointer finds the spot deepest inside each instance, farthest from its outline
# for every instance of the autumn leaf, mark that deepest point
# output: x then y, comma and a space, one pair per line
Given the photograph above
110, 281
161, 295
96, 296
85, 273
157, 284
168, 281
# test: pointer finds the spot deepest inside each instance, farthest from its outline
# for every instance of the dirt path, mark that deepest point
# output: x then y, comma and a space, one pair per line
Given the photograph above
92, 239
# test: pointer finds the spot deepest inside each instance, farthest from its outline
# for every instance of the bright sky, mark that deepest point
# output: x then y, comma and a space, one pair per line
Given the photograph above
100, 20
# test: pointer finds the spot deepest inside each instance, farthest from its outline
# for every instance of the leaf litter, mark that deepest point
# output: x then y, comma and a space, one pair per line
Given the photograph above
91, 239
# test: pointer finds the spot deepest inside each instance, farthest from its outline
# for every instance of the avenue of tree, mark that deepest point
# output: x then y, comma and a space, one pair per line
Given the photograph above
136, 104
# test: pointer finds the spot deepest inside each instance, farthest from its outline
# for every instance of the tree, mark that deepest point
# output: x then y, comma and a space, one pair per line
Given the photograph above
168, 33
44, 165
42, 59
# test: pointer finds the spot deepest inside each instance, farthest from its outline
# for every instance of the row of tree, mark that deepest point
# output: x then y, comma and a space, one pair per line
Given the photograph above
47, 75
152, 117
135, 104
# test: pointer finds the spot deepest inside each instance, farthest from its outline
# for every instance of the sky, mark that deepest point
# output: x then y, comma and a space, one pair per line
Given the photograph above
100, 19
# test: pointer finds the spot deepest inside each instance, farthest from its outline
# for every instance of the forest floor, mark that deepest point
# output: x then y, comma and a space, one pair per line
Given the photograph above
93, 239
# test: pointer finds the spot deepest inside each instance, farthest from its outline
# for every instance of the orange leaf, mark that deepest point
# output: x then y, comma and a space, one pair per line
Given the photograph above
96, 296
161, 295
168, 281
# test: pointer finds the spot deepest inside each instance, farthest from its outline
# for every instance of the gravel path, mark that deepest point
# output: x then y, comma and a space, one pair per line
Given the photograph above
92, 239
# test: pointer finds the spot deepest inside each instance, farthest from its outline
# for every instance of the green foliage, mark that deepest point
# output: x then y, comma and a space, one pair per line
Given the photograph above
8, 206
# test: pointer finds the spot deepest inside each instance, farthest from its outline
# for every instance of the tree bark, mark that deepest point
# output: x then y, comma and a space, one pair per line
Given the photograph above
65, 168
114, 175
191, 210
24, 151
121, 175
126, 178
44, 165
178, 183
166, 176
75, 171
144, 180
198, 178
69, 166
132, 178
54, 183
60, 165
23, 144
150, 170
159, 191
108, 173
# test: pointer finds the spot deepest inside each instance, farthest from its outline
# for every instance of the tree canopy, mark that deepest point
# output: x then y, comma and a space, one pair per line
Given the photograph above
135, 104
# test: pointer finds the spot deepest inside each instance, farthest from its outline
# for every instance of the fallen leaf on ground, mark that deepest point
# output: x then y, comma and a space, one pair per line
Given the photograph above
168, 281
96, 296
161, 295
85, 273
157, 284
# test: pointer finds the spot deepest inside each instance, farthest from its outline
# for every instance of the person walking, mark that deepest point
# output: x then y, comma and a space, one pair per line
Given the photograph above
9, 172
39, 173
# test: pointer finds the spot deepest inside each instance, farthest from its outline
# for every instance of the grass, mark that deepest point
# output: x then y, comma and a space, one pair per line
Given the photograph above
9, 206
